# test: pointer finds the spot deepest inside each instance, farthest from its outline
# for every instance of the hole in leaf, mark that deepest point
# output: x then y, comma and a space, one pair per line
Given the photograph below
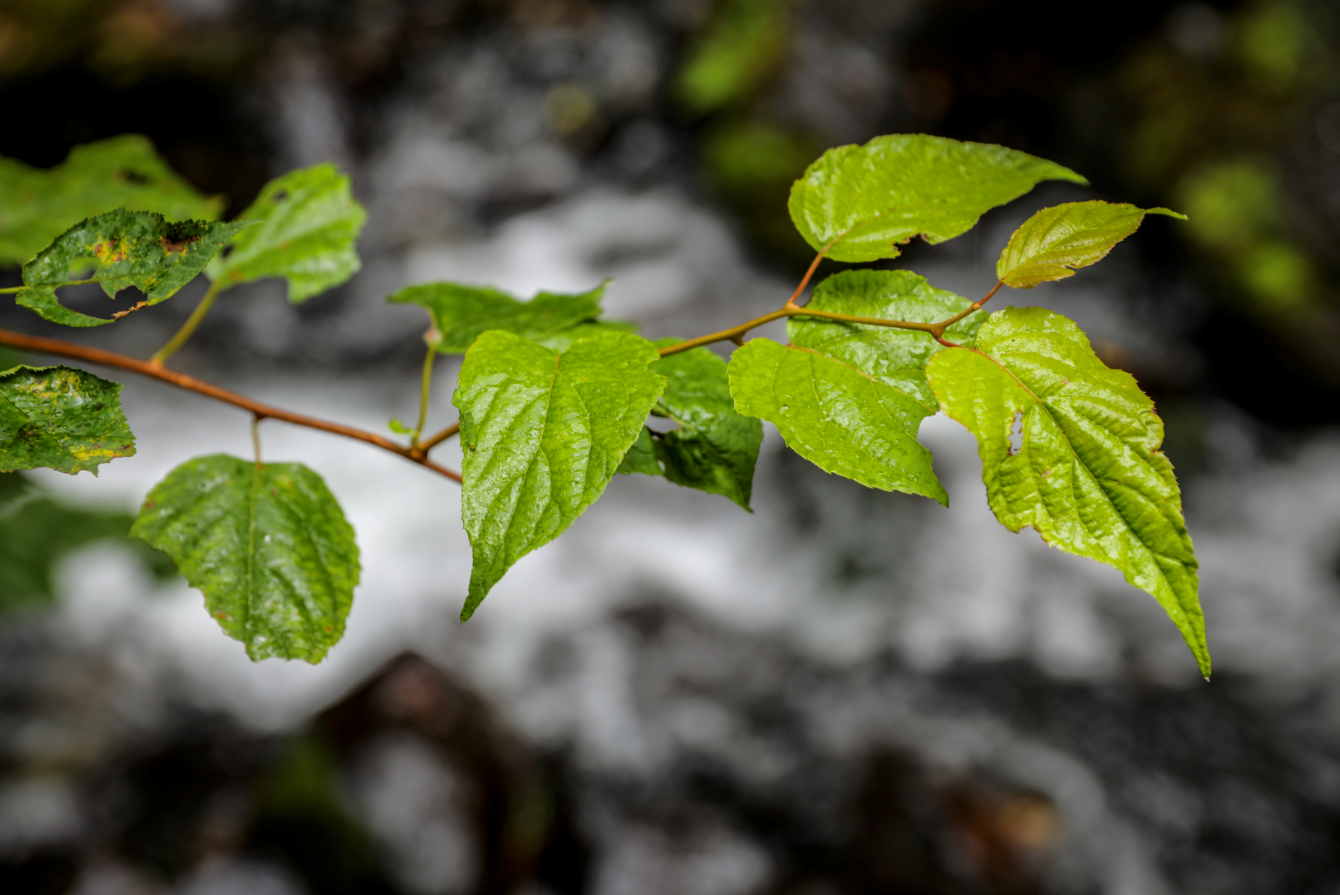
1017, 433
135, 177
279, 196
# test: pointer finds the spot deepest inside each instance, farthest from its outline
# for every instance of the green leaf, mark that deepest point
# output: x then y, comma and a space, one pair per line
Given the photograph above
269, 547
859, 201
460, 313
123, 249
542, 435
310, 223
399, 428
896, 357
1085, 468
38, 205
60, 418
1055, 242
641, 457
841, 419
563, 339
715, 447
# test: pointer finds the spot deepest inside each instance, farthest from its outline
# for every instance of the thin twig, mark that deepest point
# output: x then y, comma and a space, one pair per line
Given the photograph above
423, 396
434, 440
188, 328
191, 384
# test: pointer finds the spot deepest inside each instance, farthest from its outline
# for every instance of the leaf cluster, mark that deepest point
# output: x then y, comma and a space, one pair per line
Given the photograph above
554, 399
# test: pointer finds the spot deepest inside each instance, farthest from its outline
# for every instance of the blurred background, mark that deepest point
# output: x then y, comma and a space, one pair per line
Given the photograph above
845, 692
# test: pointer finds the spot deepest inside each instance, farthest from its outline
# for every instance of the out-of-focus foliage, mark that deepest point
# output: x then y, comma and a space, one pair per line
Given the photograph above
737, 52
37, 531
1223, 107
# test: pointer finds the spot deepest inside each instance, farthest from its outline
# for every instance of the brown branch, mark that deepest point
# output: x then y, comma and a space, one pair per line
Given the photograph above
434, 440
191, 384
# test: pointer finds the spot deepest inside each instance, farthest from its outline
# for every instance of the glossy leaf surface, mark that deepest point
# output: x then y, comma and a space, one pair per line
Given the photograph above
269, 547
461, 313
1087, 471
896, 357
563, 339
37, 205
1055, 242
859, 202
310, 223
542, 434
118, 250
60, 418
839, 418
714, 448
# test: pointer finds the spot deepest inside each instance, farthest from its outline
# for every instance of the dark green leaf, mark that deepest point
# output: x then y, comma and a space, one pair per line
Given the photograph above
38, 205
1055, 242
460, 313
837, 417
858, 202
118, 250
62, 419
896, 357
1084, 468
715, 447
37, 531
641, 457
542, 435
310, 223
269, 547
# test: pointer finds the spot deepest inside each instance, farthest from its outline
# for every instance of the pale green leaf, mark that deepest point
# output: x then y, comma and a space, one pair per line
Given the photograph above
837, 417
1084, 468
1055, 242
896, 357
60, 418
641, 457
714, 448
859, 202
310, 223
460, 313
269, 546
118, 250
542, 435
37, 205
399, 428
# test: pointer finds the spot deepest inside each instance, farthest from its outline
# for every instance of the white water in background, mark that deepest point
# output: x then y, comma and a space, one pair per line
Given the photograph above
962, 586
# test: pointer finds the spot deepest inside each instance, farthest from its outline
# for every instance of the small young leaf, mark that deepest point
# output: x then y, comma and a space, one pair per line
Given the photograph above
38, 205
123, 249
1087, 473
896, 357
840, 419
310, 223
715, 448
858, 202
269, 547
542, 434
641, 457
460, 313
1055, 242
399, 428
60, 418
